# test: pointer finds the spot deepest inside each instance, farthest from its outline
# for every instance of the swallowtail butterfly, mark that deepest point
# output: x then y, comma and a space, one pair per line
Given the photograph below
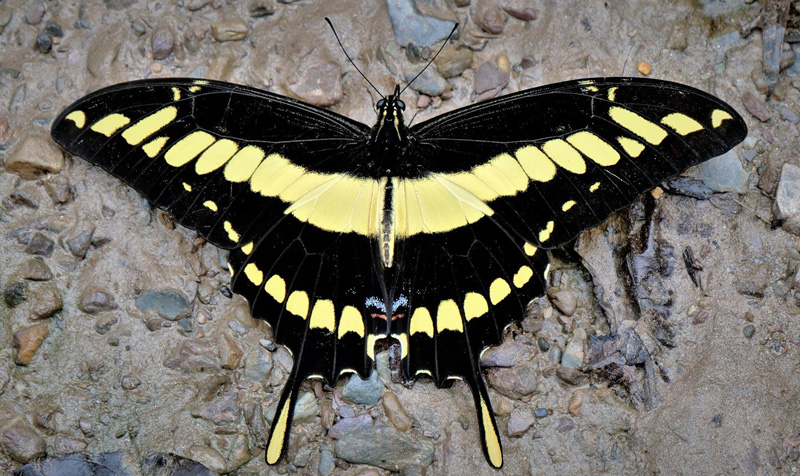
341, 234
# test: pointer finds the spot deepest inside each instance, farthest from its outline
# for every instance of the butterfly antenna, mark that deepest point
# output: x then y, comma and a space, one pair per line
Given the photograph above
431, 61
351, 60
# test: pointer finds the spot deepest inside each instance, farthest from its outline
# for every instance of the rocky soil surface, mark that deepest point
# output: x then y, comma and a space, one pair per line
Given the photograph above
667, 343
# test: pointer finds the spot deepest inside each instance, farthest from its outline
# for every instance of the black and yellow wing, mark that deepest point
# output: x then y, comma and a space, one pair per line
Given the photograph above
341, 235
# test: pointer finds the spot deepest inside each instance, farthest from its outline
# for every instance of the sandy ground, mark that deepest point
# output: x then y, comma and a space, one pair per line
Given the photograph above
716, 394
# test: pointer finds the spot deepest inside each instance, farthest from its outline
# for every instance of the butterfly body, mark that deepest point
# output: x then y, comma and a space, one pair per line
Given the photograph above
434, 235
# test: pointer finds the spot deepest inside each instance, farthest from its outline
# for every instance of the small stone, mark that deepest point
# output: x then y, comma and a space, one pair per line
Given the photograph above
85, 426
787, 196
789, 115
67, 446
43, 43
34, 13
411, 26
489, 78
749, 331
239, 454
644, 68
346, 425
573, 354
258, 366
503, 63
524, 14
129, 382
229, 30
519, 421
208, 457
193, 355
40, 245
453, 61
756, 106
138, 27
540, 413
383, 447
325, 462
79, 244
194, 5
46, 302
364, 392
94, 300
491, 20
230, 353
564, 301
320, 85
162, 42
15, 293
105, 323
306, 408
544, 344
515, 382
395, 412
170, 304
724, 173
571, 376
173, 465
20, 441
508, 354
430, 82
27, 341
35, 156
59, 191
575, 402
564, 425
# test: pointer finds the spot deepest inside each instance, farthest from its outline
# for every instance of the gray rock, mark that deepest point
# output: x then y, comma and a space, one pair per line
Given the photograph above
208, 457
94, 300
79, 244
509, 354
724, 173
787, 197
384, 447
564, 301
169, 464
58, 190
43, 43
365, 392
515, 382
20, 440
170, 304
489, 78
756, 106
40, 245
453, 61
306, 408
490, 19
320, 85
34, 13
573, 354
789, 115
46, 301
162, 42
221, 411
15, 293
193, 355
35, 156
129, 382
346, 425
690, 187
325, 462
395, 412
35, 269
410, 26
429, 82
520, 421
258, 366
105, 323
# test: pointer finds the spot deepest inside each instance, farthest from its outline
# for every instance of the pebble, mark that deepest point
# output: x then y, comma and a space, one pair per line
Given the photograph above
524, 14
258, 366
15, 293
35, 156
34, 13
489, 78
221, 411
509, 354
724, 173
515, 382
79, 244
320, 85
306, 408
756, 106
564, 425
789, 115
230, 354
5, 17
519, 421
58, 190
540, 413
570, 375
94, 300
490, 20
364, 392
170, 304
564, 301
46, 302
173, 465
162, 42
644, 68
576, 402
129, 382
544, 344
395, 412
410, 26
384, 447
346, 425
229, 30
27, 341
690, 187
787, 196
105, 323
573, 354
239, 455
325, 462
208, 457
453, 61
40, 245
43, 43
749, 331
430, 82
20, 441
193, 355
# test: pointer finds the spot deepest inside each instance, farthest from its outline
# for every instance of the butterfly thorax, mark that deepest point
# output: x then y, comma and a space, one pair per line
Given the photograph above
389, 134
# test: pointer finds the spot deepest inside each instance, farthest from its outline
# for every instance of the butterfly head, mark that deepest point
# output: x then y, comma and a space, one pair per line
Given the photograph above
390, 116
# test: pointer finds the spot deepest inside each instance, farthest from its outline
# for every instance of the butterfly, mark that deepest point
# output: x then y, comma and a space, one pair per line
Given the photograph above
434, 235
